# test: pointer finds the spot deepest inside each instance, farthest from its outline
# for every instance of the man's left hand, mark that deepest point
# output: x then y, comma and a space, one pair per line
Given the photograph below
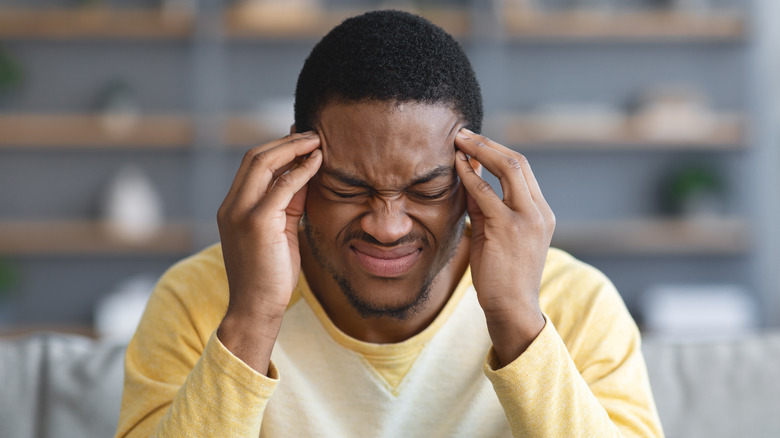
509, 242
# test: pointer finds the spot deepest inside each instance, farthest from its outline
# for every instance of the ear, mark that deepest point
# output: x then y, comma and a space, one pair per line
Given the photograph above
292, 128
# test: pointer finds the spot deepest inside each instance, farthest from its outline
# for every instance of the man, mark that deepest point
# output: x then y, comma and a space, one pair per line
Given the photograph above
350, 298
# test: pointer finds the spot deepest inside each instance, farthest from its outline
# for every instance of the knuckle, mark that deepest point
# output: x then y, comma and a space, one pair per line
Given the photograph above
481, 141
284, 180
551, 221
226, 213
222, 213
250, 154
514, 164
484, 187
295, 138
260, 158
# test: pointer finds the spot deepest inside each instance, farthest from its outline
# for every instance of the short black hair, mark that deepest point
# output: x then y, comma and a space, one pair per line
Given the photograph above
389, 56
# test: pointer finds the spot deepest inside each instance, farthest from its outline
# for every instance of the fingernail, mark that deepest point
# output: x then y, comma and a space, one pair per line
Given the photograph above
462, 134
315, 153
461, 155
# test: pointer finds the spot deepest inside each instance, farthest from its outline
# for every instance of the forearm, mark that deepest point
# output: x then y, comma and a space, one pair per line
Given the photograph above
221, 395
544, 394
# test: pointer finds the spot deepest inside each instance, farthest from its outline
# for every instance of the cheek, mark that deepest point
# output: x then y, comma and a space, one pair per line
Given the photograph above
440, 219
325, 215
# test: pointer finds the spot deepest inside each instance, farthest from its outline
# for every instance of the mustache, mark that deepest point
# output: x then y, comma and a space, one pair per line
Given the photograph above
358, 234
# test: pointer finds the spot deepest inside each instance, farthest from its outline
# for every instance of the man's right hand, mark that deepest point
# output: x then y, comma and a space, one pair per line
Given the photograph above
258, 227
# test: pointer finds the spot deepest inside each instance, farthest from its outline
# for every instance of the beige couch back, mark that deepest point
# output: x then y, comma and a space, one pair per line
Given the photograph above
69, 386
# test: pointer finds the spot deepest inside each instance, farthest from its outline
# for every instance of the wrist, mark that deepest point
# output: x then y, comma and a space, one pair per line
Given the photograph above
512, 334
250, 338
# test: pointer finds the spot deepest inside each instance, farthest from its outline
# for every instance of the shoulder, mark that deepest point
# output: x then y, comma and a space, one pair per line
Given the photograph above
193, 291
199, 277
566, 277
204, 265
582, 302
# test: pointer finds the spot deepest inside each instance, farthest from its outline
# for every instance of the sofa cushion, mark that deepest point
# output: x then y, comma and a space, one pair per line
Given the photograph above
717, 388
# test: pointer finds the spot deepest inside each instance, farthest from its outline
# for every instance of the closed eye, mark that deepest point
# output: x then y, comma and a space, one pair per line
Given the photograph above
430, 196
350, 195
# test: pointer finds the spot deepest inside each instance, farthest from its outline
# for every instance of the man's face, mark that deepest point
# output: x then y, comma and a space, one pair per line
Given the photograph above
385, 212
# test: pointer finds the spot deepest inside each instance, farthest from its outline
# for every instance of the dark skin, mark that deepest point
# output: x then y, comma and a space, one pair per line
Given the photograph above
392, 181
397, 174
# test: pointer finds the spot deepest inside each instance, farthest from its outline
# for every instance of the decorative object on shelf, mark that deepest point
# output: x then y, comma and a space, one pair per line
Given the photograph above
274, 15
698, 311
583, 121
118, 313
118, 108
694, 191
132, 207
11, 72
673, 113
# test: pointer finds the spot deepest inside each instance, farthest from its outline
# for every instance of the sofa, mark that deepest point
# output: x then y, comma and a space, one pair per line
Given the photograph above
56, 385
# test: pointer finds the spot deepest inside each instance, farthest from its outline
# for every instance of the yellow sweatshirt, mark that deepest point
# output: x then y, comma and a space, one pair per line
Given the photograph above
584, 376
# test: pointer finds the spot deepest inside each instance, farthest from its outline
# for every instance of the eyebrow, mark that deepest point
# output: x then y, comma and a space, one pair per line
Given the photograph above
352, 180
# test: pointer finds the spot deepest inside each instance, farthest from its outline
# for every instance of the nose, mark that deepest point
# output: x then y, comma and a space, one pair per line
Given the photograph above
387, 221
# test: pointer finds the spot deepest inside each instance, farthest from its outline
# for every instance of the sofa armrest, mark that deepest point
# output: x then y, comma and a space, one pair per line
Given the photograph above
60, 385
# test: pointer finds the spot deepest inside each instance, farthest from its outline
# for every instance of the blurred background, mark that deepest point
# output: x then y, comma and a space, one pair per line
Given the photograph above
651, 125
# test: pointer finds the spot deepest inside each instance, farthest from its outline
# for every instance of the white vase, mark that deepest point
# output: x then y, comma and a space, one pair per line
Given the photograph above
132, 208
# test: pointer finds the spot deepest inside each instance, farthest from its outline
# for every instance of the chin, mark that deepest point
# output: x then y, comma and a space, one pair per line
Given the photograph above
386, 298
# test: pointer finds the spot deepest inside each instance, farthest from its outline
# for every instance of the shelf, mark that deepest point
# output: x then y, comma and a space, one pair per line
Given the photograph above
71, 238
277, 20
623, 26
90, 130
98, 22
525, 134
246, 132
655, 237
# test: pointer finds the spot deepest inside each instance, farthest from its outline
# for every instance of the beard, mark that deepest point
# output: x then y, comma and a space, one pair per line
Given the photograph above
399, 311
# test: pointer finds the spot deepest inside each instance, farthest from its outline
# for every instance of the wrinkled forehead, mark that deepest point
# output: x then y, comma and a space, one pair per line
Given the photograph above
387, 143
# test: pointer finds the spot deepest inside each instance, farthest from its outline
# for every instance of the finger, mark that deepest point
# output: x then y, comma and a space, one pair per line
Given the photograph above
507, 165
268, 166
530, 178
475, 214
486, 199
532, 182
287, 185
246, 162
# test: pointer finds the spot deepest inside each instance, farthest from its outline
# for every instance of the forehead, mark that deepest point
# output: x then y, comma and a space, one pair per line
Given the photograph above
385, 143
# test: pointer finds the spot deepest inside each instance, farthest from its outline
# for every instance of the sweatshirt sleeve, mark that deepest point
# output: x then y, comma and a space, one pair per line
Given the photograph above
585, 378
179, 378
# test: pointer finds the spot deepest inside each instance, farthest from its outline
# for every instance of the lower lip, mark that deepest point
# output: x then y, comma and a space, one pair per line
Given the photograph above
386, 267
